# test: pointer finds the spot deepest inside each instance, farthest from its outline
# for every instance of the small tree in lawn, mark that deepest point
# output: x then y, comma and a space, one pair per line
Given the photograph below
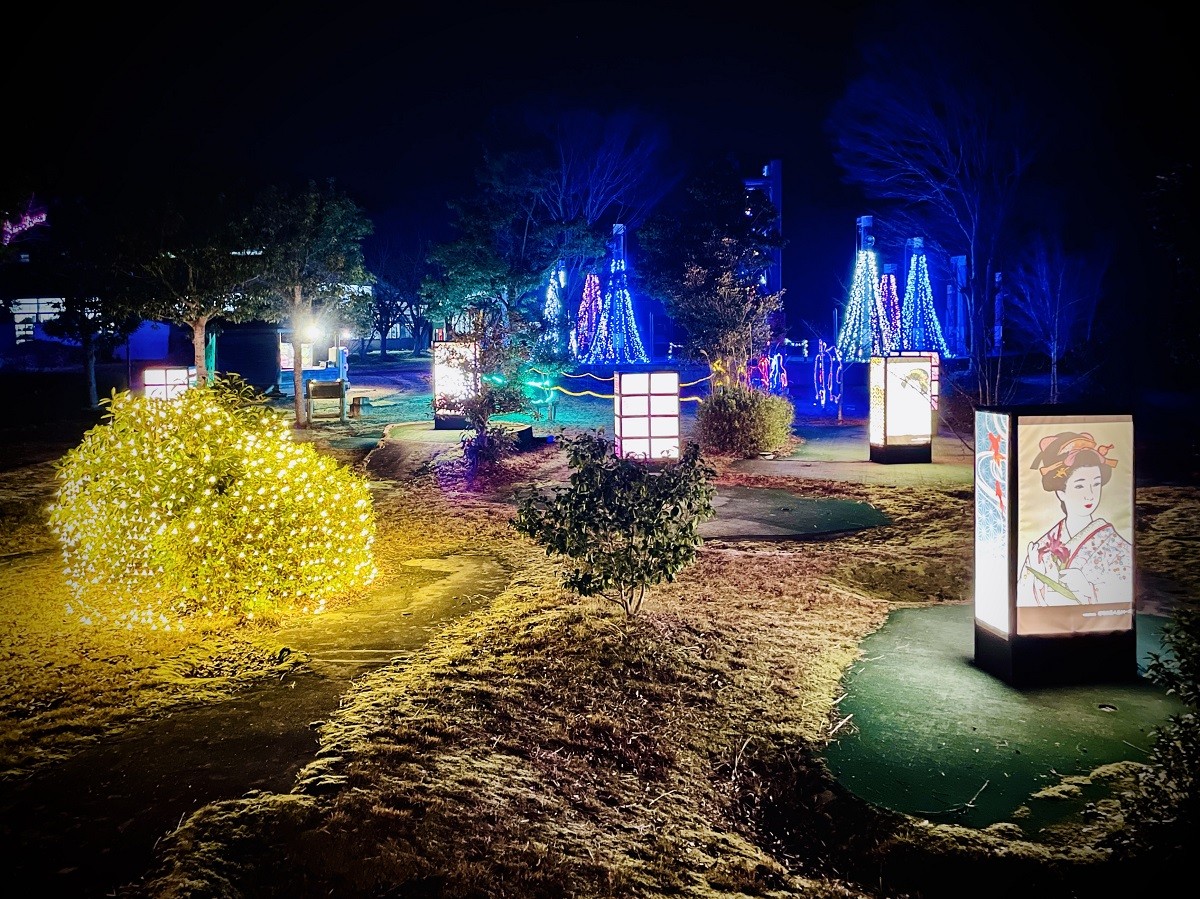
311, 262
195, 266
623, 525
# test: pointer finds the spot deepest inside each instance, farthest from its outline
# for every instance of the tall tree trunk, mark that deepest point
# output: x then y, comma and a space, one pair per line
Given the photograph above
89, 369
199, 346
298, 361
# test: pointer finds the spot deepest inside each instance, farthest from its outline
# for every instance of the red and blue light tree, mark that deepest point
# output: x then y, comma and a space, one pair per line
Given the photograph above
616, 339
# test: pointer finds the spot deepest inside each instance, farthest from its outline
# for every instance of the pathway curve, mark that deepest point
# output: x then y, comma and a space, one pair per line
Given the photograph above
89, 825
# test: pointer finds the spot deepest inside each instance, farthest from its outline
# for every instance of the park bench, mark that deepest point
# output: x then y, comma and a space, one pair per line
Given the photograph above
326, 390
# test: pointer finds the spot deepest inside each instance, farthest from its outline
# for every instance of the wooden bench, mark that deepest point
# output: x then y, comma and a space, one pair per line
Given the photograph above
326, 390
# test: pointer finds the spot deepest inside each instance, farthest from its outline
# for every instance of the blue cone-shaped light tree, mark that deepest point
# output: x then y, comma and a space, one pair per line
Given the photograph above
616, 340
865, 329
920, 330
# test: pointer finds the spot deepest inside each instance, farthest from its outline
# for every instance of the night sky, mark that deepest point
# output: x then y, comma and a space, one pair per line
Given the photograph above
391, 101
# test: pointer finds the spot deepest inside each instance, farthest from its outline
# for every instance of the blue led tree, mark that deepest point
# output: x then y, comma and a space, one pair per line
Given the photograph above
919, 327
616, 339
865, 329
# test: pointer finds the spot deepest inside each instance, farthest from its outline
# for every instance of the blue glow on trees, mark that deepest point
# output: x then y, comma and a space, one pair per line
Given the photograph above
552, 310
920, 330
616, 340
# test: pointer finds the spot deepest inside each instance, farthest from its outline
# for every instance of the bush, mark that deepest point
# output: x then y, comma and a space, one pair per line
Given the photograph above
202, 506
738, 421
624, 524
1162, 812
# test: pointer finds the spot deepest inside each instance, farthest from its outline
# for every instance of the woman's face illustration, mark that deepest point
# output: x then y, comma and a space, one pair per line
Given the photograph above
1081, 495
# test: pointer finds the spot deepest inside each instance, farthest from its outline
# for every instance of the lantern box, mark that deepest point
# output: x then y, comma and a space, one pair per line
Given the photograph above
646, 407
1054, 545
455, 377
168, 383
903, 397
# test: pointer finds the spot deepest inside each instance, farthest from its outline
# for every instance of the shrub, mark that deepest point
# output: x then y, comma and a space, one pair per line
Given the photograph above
1162, 812
739, 421
623, 524
205, 505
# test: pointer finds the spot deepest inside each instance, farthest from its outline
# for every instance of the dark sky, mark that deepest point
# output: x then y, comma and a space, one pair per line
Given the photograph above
391, 100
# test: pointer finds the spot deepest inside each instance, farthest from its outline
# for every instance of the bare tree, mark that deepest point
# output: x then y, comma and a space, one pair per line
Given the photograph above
946, 150
1052, 297
398, 274
605, 169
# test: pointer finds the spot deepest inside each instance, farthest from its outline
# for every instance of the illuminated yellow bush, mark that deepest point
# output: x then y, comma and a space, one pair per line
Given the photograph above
205, 506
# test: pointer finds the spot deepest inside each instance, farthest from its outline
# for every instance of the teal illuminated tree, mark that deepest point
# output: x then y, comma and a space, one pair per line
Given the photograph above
865, 329
616, 339
587, 318
919, 327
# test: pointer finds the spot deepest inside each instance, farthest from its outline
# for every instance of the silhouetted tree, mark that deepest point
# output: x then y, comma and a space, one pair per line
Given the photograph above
100, 303
196, 266
311, 261
707, 259
1052, 297
945, 145
398, 274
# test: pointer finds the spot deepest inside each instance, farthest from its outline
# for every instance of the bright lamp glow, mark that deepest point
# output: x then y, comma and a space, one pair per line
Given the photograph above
168, 383
903, 400
1054, 545
455, 364
646, 408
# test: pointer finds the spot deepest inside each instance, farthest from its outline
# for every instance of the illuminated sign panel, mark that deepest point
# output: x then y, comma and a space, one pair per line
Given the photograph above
1054, 544
991, 520
1075, 524
455, 367
168, 383
646, 411
903, 404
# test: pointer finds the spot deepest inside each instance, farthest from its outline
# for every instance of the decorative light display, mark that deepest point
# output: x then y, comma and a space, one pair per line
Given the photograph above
919, 327
31, 218
1054, 545
890, 297
865, 328
198, 507
168, 383
616, 340
646, 407
455, 378
552, 310
902, 403
827, 375
587, 318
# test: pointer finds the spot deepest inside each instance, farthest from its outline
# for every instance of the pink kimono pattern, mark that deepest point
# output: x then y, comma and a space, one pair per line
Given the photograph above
1103, 556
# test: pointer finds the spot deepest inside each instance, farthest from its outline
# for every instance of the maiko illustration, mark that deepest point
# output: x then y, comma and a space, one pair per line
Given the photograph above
1081, 559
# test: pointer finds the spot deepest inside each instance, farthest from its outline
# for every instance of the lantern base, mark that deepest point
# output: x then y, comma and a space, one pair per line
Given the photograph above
1049, 661
902, 453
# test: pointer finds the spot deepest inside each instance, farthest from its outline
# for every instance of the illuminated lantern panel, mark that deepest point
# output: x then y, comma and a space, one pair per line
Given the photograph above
1054, 545
454, 366
646, 407
903, 401
168, 383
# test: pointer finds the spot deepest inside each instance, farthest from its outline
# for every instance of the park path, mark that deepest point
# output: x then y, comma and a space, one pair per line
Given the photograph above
89, 825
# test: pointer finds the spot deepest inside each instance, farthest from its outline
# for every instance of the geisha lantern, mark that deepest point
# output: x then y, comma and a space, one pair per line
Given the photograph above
903, 399
1054, 545
646, 409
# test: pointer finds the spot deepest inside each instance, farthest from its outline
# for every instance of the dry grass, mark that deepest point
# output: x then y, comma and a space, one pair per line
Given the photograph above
545, 746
